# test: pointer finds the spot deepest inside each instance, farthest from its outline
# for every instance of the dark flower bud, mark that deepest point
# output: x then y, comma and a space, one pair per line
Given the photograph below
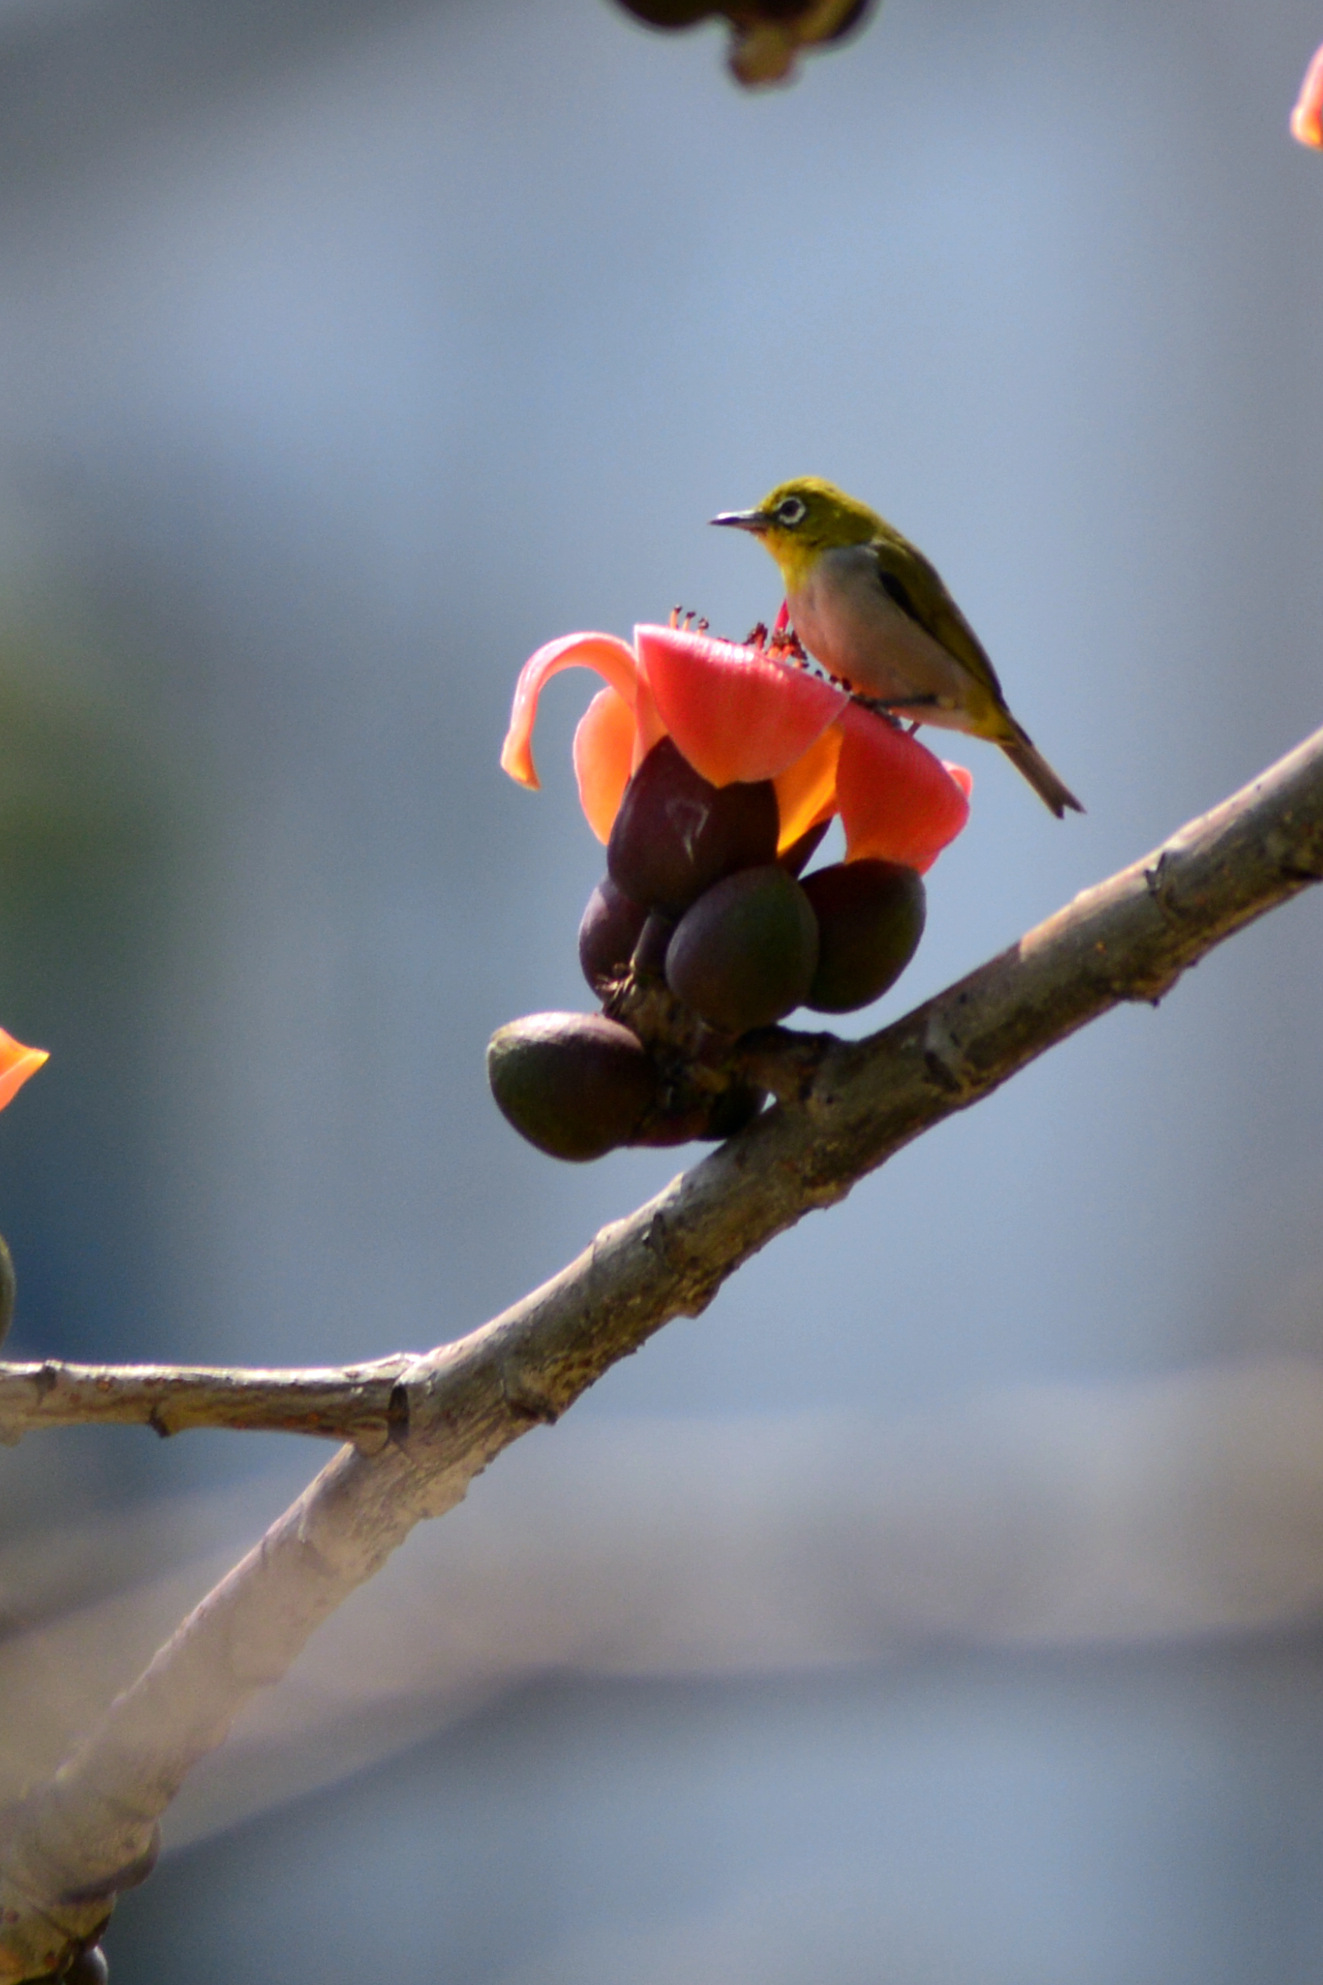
747, 13
676, 833
745, 953
870, 919
843, 16
574, 1084
670, 13
770, 33
608, 932
88, 1968
851, 17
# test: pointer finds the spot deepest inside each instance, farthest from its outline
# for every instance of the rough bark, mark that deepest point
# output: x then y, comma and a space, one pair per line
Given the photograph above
845, 1109
349, 1402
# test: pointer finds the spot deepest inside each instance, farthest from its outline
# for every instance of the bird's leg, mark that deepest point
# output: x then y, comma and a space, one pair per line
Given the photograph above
880, 708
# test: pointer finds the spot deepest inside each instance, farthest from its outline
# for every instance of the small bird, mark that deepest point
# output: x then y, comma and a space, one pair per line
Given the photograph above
870, 608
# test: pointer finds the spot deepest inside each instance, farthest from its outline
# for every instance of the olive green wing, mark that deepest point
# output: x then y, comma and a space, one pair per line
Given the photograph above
917, 588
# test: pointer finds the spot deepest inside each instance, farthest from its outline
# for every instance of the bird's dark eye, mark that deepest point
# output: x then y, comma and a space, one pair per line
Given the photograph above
791, 510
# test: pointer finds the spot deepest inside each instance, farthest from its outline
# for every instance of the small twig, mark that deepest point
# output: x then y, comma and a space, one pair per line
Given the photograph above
351, 1402
82, 1835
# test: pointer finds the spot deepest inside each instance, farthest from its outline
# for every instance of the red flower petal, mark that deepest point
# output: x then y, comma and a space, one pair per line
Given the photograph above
612, 658
898, 802
17, 1063
734, 712
604, 747
1307, 117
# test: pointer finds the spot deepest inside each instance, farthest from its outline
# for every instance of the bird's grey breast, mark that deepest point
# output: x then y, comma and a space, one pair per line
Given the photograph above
849, 622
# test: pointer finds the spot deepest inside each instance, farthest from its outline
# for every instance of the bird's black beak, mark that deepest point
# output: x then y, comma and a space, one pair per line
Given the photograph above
743, 520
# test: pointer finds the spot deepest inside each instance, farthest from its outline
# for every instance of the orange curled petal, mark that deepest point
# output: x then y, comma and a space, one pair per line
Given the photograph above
648, 725
1307, 117
17, 1063
734, 712
604, 758
898, 802
612, 658
806, 790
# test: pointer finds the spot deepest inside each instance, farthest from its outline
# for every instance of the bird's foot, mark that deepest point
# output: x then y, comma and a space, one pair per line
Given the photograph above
876, 704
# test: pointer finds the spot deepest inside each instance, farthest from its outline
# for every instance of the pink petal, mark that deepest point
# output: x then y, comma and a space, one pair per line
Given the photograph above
612, 658
604, 757
898, 802
1307, 117
734, 712
17, 1063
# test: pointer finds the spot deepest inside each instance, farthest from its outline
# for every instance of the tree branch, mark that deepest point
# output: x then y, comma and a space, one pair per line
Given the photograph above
349, 1402
846, 1108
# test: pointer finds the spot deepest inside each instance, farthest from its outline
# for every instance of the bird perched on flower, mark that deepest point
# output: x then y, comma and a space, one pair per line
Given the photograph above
870, 608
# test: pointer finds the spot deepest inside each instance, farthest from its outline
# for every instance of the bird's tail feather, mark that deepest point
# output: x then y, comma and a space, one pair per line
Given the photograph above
1032, 765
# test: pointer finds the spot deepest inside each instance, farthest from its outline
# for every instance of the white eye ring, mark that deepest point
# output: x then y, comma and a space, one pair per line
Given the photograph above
791, 510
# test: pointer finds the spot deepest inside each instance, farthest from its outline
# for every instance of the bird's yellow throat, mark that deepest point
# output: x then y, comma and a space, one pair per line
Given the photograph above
795, 558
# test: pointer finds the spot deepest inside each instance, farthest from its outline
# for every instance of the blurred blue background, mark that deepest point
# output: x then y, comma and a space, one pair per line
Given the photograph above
352, 350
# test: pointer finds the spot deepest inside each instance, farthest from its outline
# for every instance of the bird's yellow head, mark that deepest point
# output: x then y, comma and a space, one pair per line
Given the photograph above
799, 520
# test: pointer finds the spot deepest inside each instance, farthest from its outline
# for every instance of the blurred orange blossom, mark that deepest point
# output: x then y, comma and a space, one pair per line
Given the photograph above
1307, 117
17, 1063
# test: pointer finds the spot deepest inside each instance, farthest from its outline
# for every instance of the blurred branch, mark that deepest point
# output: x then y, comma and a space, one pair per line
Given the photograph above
846, 1108
351, 1402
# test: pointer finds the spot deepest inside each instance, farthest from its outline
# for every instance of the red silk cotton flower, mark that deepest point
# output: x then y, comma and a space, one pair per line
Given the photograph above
745, 713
